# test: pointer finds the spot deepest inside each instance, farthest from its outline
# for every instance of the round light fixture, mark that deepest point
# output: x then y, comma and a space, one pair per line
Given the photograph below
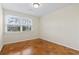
36, 5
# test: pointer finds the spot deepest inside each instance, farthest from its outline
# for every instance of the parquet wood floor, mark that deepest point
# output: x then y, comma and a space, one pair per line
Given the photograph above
37, 47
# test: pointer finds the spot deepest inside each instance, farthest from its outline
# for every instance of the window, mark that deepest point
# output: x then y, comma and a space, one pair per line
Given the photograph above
17, 24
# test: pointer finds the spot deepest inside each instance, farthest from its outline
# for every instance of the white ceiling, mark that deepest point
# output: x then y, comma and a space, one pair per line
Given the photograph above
44, 8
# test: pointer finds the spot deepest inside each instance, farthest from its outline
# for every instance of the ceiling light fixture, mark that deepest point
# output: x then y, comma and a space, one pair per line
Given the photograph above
36, 5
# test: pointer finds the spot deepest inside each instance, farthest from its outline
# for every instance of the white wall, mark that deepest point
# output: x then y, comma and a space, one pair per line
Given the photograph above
62, 26
1, 26
20, 36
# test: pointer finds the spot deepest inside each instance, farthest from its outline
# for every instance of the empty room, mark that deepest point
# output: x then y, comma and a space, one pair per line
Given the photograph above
39, 28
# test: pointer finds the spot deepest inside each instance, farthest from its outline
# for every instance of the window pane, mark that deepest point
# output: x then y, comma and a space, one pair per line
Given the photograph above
26, 28
13, 28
